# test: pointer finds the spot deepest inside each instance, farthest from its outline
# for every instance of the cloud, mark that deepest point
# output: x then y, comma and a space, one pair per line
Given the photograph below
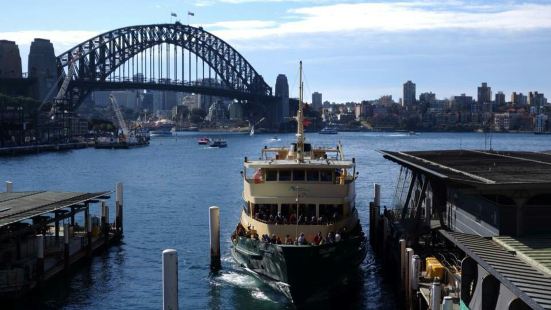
392, 17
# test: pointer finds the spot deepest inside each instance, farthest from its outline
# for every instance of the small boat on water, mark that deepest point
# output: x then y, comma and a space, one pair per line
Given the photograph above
218, 143
203, 141
328, 131
275, 138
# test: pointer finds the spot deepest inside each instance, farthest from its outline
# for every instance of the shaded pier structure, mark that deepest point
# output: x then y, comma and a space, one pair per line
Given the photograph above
468, 229
43, 234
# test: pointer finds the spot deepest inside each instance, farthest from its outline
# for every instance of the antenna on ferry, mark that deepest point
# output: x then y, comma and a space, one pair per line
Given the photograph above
300, 120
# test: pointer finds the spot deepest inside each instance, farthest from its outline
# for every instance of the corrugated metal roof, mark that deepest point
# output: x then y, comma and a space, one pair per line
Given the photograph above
484, 167
525, 281
15, 207
535, 250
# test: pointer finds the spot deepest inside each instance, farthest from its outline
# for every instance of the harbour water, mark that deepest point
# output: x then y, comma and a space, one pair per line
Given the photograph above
169, 187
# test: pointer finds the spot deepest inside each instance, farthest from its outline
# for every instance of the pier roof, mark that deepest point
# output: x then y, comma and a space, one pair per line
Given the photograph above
522, 278
479, 167
19, 206
307, 164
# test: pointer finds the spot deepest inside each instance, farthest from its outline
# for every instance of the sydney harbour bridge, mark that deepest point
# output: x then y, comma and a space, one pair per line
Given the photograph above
171, 57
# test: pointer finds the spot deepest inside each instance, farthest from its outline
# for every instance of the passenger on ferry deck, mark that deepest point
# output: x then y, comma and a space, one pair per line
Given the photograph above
273, 239
271, 220
278, 240
292, 219
306, 220
302, 239
300, 219
337, 237
318, 238
320, 220
288, 240
314, 221
279, 218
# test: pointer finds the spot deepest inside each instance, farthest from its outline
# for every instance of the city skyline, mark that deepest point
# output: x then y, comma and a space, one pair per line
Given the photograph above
352, 51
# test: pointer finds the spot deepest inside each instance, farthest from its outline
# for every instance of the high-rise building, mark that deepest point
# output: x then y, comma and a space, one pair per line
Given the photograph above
536, 100
427, 98
10, 60
518, 99
42, 67
282, 91
484, 94
408, 94
499, 98
317, 101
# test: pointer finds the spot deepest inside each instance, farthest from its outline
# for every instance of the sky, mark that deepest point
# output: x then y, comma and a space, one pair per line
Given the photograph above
352, 50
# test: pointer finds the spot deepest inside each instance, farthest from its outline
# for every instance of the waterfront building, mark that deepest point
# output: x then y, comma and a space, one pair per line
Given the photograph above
518, 99
499, 98
316, 101
464, 105
408, 94
217, 112
10, 60
484, 94
536, 100
42, 66
541, 123
427, 98
282, 91
502, 121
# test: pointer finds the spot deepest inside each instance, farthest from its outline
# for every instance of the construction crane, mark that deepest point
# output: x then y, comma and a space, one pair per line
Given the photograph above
120, 118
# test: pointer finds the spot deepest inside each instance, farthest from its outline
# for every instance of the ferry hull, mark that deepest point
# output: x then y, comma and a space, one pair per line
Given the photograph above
302, 273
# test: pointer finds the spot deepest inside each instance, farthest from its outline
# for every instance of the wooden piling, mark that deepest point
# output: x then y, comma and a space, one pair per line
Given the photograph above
214, 224
39, 255
436, 294
66, 245
118, 208
170, 279
9, 186
89, 233
402, 243
407, 284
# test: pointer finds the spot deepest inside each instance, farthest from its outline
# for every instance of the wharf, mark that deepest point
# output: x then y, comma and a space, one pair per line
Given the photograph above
39, 148
479, 218
41, 237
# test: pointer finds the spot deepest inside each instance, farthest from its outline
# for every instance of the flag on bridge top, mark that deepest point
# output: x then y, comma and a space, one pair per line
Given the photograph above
173, 15
190, 13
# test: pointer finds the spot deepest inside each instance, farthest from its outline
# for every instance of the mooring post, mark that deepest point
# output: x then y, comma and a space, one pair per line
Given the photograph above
415, 267
39, 255
436, 291
402, 261
377, 213
89, 232
66, 242
407, 284
106, 226
447, 304
214, 224
371, 225
170, 279
118, 208
9, 186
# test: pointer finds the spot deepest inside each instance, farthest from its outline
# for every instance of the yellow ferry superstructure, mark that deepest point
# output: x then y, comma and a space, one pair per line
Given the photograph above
320, 189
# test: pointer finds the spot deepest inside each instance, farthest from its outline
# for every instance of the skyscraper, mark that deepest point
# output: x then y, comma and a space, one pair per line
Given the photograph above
282, 91
499, 98
42, 67
316, 101
408, 94
10, 60
484, 94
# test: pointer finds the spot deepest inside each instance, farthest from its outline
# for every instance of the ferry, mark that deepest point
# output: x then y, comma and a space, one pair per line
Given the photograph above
218, 143
328, 131
299, 229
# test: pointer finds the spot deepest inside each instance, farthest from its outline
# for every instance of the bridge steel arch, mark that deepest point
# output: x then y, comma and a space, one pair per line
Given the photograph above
97, 58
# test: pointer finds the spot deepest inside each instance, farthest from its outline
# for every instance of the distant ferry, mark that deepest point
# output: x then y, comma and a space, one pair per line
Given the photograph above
328, 131
161, 128
299, 229
218, 143
203, 141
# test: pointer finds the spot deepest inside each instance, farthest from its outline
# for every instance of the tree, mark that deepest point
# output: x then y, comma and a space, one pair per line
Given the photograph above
197, 115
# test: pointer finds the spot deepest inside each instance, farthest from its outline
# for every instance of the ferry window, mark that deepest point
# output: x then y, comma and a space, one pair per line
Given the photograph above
271, 175
298, 175
265, 212
307, 147
326, 175
312, 175
246, 208
331, 213
289, 213
285, 175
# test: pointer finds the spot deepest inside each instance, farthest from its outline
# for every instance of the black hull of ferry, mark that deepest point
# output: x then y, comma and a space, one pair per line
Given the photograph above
302, 273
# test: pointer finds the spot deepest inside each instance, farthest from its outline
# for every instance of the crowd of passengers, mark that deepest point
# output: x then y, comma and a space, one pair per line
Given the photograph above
292, 219
319, 239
